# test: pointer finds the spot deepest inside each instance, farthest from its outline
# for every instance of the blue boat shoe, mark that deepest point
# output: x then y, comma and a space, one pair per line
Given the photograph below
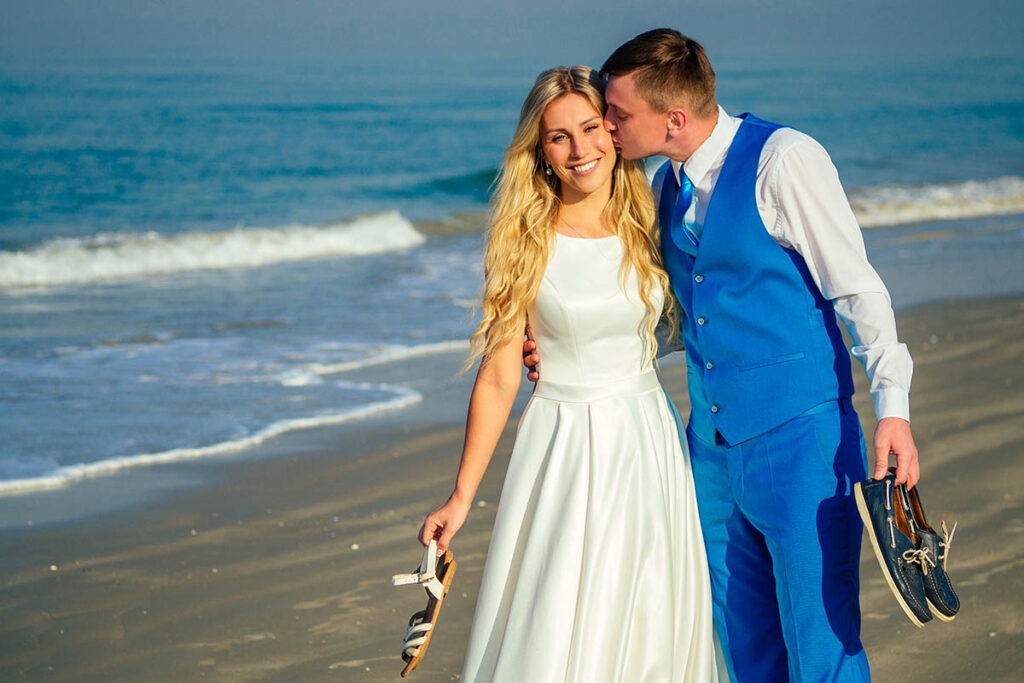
896, 547
934, 551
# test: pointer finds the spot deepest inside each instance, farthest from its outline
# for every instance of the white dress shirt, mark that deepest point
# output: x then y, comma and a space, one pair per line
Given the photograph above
804, 207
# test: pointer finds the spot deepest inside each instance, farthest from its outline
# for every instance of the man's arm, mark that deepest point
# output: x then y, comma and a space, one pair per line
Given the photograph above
813, 216
889, 368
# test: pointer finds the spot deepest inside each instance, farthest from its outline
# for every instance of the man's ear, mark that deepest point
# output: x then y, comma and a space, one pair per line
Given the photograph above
676, 121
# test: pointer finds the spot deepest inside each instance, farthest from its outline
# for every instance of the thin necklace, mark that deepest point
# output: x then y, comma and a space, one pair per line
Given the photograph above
578, 233
596, 241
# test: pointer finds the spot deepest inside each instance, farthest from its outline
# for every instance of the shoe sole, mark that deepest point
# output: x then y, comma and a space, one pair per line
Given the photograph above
865, 516
939, 615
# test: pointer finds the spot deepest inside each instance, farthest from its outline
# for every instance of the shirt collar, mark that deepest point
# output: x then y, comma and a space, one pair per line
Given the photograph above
712, 151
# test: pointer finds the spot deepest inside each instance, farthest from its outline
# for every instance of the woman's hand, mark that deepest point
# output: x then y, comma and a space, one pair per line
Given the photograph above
443, 523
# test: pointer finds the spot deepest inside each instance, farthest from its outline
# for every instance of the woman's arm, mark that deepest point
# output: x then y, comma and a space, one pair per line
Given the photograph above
495, 389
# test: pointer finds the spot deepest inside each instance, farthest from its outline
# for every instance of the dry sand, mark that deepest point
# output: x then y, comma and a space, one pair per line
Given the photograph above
278, 569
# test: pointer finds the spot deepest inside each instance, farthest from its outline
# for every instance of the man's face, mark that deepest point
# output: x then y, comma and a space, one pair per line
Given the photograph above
637, 130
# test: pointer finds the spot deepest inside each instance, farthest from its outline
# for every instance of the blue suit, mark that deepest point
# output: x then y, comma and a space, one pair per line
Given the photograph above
774, 441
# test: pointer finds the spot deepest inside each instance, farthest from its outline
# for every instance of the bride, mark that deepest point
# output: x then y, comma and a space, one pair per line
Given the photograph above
596, 570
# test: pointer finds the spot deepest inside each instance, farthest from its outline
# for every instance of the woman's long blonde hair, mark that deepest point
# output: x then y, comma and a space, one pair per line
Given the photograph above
525, 210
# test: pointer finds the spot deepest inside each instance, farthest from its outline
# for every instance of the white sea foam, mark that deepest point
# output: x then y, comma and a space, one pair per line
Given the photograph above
388, 354
895, 205
66, 476
302, 375
120, 256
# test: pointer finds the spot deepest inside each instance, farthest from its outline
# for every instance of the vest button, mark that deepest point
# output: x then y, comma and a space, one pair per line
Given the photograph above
698, 278
709, 365
701, 321
714, 409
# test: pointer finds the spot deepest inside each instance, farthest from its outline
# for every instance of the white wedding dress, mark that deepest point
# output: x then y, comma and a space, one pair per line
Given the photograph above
596, 571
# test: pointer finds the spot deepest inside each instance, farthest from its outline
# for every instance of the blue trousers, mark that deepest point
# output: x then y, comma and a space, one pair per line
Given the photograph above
783, 541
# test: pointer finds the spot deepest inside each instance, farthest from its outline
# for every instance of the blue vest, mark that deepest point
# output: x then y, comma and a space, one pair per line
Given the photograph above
762, 343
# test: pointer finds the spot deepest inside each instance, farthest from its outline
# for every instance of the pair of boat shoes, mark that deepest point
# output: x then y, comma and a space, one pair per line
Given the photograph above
912, 555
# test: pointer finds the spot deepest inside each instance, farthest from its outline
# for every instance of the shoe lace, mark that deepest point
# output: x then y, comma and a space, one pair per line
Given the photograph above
947, 541
921, 556
889, 519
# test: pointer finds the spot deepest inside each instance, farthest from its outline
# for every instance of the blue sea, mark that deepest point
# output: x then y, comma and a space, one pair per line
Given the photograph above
195, 256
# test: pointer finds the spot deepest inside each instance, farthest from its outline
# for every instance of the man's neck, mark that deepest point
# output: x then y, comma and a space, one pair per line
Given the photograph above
696, 134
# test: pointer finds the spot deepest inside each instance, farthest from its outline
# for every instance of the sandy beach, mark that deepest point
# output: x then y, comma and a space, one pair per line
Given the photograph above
277, 568
241, 254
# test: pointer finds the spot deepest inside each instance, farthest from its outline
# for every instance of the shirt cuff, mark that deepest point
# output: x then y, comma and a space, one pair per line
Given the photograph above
892, 403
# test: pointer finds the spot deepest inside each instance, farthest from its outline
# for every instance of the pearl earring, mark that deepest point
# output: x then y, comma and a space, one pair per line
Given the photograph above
547, 168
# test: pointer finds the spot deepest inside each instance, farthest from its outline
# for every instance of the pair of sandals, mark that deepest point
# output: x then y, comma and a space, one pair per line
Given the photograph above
435, 574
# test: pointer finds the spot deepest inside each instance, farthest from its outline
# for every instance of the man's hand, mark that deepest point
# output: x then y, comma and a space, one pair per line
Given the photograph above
892, 436
530, 359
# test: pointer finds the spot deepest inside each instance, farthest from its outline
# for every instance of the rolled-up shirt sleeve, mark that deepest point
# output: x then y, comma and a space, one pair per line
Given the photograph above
805, 208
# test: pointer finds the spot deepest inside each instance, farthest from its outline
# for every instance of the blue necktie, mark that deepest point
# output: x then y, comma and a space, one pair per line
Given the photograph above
680, 232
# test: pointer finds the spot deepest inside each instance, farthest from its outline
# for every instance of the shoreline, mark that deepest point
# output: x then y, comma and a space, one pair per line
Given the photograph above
922, 264
277, 567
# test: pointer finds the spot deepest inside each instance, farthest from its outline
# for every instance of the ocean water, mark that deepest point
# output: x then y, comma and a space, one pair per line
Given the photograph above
194, 257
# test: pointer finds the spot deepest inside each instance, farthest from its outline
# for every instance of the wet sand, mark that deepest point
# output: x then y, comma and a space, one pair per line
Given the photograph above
277, 568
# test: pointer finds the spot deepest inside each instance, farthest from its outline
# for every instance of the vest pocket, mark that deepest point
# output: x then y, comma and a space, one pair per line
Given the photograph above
774, 360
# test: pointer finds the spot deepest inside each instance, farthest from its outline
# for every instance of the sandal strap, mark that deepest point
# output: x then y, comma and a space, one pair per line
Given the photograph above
435, 587
411, 651
405, 579
418, 631
414, 639
426, 574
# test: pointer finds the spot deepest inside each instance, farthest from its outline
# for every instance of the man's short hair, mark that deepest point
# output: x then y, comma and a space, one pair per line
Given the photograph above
670, 69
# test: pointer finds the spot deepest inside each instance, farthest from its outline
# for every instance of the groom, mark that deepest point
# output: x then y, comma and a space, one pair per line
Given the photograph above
764, 254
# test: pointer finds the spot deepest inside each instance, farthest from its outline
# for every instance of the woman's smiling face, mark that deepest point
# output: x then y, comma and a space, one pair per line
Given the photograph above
577, 147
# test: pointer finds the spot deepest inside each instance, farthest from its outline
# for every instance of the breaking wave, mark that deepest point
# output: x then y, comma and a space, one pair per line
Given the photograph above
119, 256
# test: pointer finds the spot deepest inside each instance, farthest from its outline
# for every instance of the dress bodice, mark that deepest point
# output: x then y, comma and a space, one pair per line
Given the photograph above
587, 326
